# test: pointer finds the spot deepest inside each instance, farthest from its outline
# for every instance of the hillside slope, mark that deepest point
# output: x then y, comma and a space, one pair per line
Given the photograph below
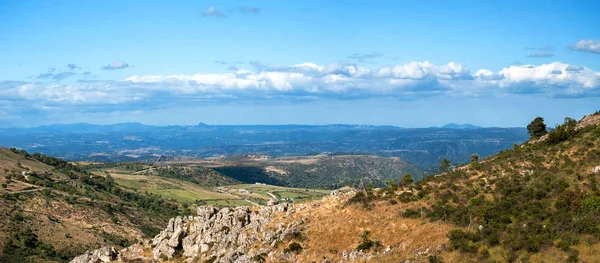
51, 210
538, 202
325, 171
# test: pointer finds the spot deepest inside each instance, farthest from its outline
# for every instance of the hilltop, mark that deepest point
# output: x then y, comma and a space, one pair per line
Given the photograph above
538, 202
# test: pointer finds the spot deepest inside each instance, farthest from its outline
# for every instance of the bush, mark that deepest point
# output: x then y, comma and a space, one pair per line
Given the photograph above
362, 198
366, 243
435, 259
461, 240
411, 213
258, 258
573, 256
295, 247
562, 132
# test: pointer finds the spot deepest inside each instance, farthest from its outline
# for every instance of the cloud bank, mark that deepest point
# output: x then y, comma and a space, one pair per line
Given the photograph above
306, 81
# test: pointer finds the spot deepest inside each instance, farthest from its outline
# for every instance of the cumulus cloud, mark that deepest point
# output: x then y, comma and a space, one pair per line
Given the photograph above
592, 46
540, 55
116, 65
308, 81
72, 66
213, 12
365, 57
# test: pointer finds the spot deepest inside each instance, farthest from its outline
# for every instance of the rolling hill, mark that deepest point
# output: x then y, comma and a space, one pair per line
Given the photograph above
324, 171
51, 210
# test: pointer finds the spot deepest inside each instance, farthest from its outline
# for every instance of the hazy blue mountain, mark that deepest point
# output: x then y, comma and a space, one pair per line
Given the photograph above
458, 126
423, 147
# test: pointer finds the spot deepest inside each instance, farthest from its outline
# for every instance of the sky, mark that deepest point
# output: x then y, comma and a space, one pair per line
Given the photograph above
402, 63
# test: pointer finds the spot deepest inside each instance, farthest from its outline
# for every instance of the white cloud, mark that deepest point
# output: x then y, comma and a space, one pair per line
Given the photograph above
587, 45
305, 81
116, 65
213, 11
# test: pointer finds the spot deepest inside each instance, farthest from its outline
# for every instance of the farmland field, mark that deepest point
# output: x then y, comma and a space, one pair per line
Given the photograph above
231, 195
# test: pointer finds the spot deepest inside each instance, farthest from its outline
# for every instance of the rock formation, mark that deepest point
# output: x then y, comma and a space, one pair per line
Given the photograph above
225, 235
96, 256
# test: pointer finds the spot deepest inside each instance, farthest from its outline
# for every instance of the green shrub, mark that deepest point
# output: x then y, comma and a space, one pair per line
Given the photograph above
461, 240
562, 132
435, 259
294, 247
366, 243
411, 213
258, 258
573, 256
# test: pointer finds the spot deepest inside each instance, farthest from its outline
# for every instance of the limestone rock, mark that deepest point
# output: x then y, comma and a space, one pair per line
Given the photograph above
104, 254
224, 236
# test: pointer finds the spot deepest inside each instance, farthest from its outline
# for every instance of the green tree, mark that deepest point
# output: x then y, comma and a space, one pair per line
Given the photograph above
444, 165
110, 179
474, 158
391, 185
407, 179
537, 128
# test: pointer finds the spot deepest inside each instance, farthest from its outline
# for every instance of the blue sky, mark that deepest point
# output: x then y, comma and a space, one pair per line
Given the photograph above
405, 63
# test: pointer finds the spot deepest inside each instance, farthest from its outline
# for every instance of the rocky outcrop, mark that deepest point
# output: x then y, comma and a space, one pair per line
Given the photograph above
225, 235
96, 256
355, 255
588, 120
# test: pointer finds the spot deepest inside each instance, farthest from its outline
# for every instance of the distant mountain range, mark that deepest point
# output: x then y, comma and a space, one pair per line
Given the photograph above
458, 126
424, 147
139, 127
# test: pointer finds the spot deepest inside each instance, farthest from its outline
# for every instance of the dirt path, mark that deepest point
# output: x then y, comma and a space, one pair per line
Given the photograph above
28, 190
272, 196
253, 203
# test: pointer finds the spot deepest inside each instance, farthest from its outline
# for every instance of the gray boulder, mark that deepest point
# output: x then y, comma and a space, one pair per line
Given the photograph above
104, 254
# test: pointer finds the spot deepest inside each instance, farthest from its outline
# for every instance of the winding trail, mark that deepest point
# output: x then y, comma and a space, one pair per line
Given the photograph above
272, 196
26, 191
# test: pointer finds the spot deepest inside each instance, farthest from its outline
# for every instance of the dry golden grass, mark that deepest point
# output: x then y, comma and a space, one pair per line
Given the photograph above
333, 228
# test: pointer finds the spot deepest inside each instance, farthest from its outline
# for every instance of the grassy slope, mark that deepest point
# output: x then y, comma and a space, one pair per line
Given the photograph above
536, 203
259, 193
169, 188
68, 212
